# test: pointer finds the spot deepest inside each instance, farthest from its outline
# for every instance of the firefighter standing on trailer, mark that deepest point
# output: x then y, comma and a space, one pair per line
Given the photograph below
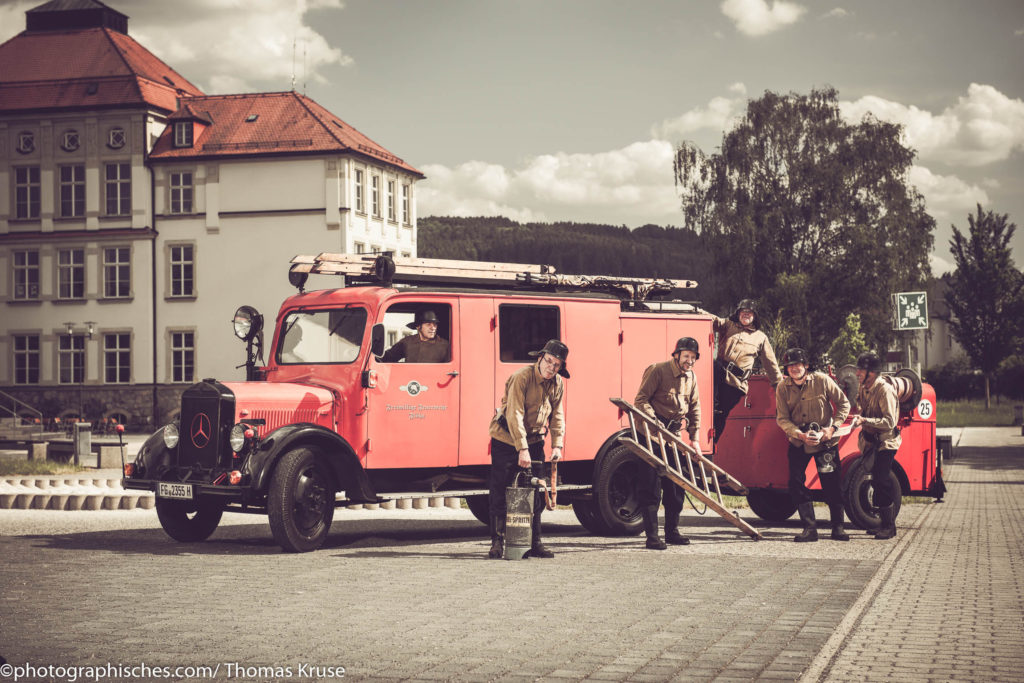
668, 393
804, 403
879, 434
531, 407
426, 346
740, 341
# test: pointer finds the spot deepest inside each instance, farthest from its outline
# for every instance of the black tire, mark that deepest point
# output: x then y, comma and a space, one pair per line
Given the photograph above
301, 501
859, 493
189, 521
586, 513
480, 506
770, 505
615, 493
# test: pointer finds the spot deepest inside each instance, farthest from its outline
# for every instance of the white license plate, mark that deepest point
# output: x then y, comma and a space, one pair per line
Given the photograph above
183, 491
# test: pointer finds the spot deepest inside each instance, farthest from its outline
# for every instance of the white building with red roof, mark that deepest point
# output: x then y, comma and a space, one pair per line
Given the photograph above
137, 213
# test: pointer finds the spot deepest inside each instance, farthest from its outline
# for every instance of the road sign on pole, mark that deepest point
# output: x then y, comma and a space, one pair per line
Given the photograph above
911, 310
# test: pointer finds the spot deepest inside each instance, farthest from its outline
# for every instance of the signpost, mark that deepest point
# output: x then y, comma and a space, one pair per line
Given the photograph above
911, 310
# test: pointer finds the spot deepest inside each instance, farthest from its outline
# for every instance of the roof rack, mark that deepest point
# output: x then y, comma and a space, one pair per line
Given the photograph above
385, 269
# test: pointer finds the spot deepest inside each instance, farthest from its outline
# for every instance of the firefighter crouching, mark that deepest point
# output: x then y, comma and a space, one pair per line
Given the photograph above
532, 406
879, 435
668, 393
804, 403
740, 341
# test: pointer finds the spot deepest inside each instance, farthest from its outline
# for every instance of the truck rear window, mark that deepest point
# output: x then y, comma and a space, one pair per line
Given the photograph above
522, 329
329, 336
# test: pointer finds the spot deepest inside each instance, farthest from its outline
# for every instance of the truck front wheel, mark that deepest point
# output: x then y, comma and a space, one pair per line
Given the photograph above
187, 521
615, 493
301, 501
859, 496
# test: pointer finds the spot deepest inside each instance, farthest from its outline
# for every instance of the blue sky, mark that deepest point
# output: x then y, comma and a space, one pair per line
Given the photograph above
570, 109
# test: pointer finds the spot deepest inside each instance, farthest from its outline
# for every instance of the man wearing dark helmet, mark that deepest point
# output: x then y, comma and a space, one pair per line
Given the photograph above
740, 342
668, 393
426, 346
531, 407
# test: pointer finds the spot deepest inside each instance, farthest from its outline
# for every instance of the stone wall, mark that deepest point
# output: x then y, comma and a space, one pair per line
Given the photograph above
135, 402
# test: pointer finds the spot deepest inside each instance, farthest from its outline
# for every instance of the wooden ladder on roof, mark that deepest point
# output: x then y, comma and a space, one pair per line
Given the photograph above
658, 447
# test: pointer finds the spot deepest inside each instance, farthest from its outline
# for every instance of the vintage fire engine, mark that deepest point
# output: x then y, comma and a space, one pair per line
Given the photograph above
327, 423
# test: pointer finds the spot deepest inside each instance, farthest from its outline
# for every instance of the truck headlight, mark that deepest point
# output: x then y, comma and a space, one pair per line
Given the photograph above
171, 435
237, 437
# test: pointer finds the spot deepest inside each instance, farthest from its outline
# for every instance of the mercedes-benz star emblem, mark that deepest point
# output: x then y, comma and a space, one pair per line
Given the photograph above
200, 430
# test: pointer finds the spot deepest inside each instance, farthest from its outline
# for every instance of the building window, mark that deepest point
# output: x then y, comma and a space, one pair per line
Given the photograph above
375, 249
117, 358
119, 189
181, 192
359, 247
69, 140
26, 191
26, 359
117, 271
26, 275
183, 357
182, 270
72, 191
391, 200
359, 192
375, 196
26, 142
183, 134
70, 273
71, 359
116, 138
405, 204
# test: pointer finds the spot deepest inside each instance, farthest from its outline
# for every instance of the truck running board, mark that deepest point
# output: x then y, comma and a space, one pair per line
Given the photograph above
661, 449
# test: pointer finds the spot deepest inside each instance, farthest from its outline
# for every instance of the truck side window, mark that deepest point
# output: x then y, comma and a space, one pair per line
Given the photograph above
418, 332
522, 329
328, 336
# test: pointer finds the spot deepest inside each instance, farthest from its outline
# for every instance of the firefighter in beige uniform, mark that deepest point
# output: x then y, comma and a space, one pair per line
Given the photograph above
426, 346
668, 393
879, 434
532, 406
804, 404
740, 341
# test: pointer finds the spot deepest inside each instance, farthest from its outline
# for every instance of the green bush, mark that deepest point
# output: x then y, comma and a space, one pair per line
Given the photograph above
1010, 377
955, 380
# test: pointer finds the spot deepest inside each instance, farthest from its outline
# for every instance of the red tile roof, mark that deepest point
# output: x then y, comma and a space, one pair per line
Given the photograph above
286, 122
126, 73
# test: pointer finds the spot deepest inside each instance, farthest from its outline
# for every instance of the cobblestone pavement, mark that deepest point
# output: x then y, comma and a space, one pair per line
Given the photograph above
408, 595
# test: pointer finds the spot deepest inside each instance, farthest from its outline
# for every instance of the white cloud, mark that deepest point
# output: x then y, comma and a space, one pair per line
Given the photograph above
223, 50
837, 13
12, 17
718, 115
983, 127
758, 18
631, 186
946, 196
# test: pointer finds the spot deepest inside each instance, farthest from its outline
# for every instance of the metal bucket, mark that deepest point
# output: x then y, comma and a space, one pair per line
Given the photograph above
519, 518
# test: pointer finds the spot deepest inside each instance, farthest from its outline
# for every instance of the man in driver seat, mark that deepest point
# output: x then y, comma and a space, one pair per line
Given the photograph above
426, 346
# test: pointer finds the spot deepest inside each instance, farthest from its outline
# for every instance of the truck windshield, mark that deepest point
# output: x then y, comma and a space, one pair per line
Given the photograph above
328, 336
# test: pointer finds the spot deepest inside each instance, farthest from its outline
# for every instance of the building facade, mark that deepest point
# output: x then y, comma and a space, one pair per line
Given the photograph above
137, 213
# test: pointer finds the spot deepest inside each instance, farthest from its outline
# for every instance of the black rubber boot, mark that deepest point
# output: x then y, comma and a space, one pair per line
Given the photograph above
810, 532
654, 541
838, 532
537, 548
888, 528
672, 534
497, 539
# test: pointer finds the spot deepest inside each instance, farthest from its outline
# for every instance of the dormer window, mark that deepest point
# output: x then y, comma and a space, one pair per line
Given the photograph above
69, 140
251, 117
183, 134
116, 138
26, 142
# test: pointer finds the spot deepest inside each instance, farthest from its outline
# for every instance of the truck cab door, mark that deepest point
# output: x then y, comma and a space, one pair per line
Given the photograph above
413, 412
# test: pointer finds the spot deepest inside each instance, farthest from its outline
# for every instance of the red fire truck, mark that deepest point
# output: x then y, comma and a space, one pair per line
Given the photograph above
327, 423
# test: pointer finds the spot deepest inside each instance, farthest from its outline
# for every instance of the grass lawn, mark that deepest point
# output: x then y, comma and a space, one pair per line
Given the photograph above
972, 413
13, 467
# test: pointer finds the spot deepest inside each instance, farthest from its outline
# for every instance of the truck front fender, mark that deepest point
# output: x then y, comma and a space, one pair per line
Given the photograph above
348, 472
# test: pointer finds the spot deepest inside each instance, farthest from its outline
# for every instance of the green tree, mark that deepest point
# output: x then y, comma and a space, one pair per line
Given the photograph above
797, 191
986, 293
849, 344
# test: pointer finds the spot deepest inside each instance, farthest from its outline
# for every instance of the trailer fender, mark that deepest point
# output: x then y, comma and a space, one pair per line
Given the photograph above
348, 472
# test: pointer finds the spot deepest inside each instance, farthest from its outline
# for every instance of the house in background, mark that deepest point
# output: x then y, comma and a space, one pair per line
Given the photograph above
137, 213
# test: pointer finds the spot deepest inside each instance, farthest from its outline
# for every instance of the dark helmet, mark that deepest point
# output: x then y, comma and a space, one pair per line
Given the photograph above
687, 344
746, 305
794, 356
423, 316
869, 361
559, 351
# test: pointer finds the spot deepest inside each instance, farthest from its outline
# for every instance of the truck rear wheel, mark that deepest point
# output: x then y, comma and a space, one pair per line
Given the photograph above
615, 493
189, 521
301, 501
586, 513
771, 506
480, 506
859, 496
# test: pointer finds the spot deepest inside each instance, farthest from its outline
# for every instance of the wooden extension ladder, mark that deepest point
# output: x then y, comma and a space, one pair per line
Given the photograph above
699, 477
